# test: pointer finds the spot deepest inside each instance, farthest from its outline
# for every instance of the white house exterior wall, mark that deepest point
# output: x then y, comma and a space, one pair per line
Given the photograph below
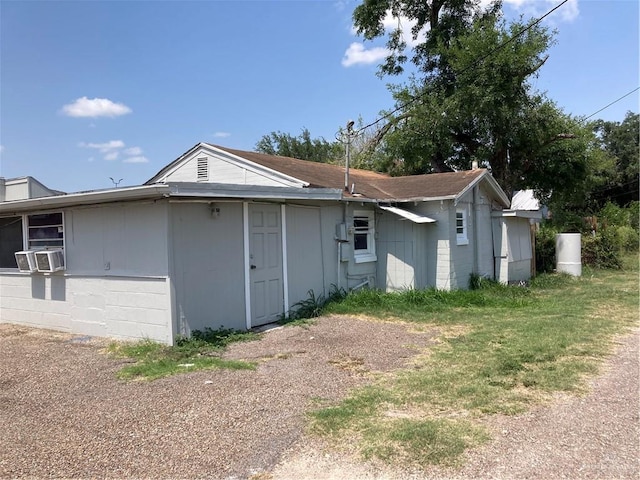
219, 171
16, 190
485, 236
115, 283
520, 251
207, 270
401, 246
305, 253
512, 248
437, 245
121, 240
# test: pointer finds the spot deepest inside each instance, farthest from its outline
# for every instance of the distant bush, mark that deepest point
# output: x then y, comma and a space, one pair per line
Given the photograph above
616, 233
546, 249
626, 238
601, 250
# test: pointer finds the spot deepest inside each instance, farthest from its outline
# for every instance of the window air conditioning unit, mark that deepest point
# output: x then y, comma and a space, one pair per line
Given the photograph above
50, 260
26, 261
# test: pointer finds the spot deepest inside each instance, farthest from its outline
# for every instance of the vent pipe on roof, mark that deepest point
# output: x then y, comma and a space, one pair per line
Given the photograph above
474, 165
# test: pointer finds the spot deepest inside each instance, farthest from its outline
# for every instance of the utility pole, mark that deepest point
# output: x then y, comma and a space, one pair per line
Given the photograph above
350, 124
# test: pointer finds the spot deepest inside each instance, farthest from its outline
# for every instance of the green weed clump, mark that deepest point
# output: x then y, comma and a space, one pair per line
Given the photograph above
312, 307
420, 304
202, 350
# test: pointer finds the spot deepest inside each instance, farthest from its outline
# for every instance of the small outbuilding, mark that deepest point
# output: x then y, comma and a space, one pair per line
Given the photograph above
234, 239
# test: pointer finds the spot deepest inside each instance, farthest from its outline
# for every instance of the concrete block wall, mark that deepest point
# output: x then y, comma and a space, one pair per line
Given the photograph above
118, 307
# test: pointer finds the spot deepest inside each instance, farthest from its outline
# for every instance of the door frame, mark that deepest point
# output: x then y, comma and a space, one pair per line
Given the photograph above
247, 260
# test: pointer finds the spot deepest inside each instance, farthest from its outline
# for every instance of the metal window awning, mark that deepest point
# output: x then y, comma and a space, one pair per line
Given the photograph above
406, 214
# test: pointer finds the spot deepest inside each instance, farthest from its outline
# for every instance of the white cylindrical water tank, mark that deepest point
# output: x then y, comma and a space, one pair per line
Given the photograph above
568, 253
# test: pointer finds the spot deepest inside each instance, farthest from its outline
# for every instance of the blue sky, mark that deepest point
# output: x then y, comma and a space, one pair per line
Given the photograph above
97, 89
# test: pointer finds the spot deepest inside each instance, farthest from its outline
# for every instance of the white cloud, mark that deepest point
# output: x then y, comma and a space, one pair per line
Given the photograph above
221, 134
95, 107
137, 159
356, 54
536, 8
110, 150
1, 148
133, 151
115, 149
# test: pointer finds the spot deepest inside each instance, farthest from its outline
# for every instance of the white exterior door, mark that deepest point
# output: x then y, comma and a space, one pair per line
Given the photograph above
265, 264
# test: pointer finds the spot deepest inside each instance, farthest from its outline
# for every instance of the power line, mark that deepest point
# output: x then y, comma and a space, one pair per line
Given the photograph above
474, 64
615, 101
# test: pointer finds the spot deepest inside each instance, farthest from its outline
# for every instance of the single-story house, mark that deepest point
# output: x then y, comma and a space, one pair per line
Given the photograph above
234, 239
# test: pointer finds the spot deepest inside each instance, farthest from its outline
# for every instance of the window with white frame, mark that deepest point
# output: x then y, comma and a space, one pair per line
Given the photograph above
45, 230
461, 227
364, 249
29, 232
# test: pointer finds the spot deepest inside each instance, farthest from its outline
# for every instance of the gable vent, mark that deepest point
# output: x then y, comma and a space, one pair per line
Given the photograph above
203, 169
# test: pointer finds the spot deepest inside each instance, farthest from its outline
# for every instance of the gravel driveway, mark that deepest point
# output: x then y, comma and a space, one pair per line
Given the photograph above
64, 414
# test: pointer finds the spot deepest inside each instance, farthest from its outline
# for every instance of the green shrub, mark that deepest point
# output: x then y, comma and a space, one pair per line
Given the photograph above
546, 249
601, 250
611, 214
626, 238
634, 215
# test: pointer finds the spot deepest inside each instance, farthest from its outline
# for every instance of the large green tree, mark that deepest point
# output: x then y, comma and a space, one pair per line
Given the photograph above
620, 140
303, 147
472, 96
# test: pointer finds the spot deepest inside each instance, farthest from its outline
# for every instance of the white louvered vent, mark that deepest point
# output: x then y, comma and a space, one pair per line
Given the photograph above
203, 169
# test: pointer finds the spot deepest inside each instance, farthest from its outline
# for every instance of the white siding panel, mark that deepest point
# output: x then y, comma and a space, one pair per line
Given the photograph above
305, 253
187, 172
208, 267
16, 191
397, 252
121, 240
220, 171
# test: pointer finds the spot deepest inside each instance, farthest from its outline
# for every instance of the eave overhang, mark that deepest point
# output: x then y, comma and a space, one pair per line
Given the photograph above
531, 214
220, 190
85, 198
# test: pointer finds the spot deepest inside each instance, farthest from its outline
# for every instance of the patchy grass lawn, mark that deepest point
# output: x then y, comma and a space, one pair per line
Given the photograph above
152, 360
502, 350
